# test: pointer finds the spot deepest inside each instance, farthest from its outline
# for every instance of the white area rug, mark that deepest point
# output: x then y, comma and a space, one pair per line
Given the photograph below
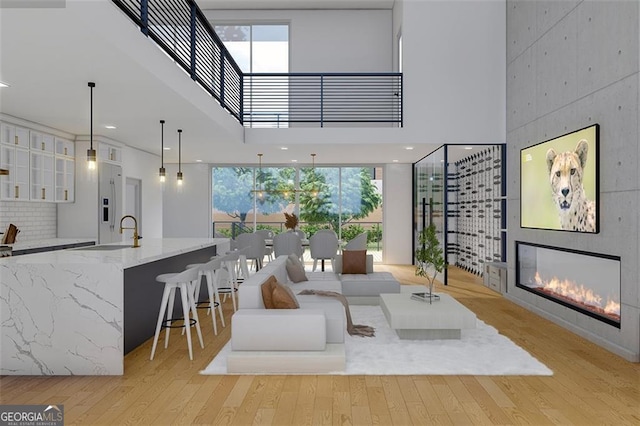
480, 352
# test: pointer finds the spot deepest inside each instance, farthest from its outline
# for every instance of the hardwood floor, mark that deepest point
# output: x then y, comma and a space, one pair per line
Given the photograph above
589, 385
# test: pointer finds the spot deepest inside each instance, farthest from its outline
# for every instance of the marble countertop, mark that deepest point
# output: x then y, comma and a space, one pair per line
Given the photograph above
48, 242
151, 249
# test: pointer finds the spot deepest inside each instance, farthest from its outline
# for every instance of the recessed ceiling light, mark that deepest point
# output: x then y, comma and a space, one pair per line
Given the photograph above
294, 161
442, 161
395, 161
166, 148
109, 126
468, 147
408, 148
198, 161
284, 148
3, 84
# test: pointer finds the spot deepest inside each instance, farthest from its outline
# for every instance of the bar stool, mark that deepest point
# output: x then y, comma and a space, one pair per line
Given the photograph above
209, 270
242, 267
227, 278
173, 281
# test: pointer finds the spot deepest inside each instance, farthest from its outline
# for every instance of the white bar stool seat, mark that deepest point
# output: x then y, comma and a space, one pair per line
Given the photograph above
172, 282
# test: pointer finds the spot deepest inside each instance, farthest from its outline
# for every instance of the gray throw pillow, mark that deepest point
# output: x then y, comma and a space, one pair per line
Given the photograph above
295, 269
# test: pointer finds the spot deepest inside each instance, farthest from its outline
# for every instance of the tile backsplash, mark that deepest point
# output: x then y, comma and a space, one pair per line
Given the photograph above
34, 220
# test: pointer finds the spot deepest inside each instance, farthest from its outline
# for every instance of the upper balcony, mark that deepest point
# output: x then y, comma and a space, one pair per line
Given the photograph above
265, 100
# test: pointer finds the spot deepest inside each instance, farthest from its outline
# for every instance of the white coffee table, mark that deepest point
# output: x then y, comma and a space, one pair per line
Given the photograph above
416, 320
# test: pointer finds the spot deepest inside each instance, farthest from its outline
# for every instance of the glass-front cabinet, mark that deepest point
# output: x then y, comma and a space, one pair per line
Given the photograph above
65, 171
14, 186
41, 166
42, 172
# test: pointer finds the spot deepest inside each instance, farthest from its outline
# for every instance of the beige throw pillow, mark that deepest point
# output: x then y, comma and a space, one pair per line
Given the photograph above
354, 262
295, 269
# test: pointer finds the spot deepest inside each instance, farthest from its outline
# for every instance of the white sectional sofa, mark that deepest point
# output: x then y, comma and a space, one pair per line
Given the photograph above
305, 340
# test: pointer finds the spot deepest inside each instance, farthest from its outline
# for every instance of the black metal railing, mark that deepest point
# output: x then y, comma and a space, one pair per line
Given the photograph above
180, 28
263, 100
278, 99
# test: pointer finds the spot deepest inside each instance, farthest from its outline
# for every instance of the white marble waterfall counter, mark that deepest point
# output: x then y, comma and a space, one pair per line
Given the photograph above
68, 312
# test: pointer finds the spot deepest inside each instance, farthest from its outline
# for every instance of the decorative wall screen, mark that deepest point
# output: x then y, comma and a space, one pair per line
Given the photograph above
475, 206
473, 199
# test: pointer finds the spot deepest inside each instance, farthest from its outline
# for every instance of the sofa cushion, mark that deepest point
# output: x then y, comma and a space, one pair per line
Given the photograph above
354, 262
337, 265
295, 269
369, 284
278, 330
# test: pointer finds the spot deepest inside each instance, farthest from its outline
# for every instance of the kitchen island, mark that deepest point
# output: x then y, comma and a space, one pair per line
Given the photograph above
79, 311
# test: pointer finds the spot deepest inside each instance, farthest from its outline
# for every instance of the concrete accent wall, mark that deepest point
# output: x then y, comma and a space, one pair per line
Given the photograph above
571, 64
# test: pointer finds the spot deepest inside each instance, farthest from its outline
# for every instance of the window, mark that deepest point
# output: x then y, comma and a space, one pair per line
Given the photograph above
345, 199
257, 48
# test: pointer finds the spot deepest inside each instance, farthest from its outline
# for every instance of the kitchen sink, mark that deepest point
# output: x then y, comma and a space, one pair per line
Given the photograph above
105, 248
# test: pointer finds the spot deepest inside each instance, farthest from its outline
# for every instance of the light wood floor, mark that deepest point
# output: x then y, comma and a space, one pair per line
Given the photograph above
589, 385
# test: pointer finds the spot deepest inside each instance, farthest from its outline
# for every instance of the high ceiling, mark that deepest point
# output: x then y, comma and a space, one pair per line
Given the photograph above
295, 4
137, 85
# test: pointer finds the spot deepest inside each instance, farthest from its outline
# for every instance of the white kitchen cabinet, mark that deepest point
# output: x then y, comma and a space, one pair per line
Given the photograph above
42, 176
65, 179
109, 153
14, 135
14, 186
42, 142
65, 148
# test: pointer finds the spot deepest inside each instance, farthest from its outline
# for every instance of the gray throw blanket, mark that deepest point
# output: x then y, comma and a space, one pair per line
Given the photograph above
352, 329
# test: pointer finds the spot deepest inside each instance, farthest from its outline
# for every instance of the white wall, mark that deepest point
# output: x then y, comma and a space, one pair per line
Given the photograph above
397, 220
144, 166
327, 40
188, 213
35, 220
454, 70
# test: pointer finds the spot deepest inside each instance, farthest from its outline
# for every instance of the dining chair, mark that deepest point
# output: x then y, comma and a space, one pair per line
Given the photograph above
255, 245
268, 235
323, 246
359, 242
287, 243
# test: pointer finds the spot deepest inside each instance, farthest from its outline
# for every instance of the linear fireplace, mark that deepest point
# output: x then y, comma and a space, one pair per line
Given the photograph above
586, 282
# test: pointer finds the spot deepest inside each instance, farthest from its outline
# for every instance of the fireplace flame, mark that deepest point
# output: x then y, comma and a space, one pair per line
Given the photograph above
578, 293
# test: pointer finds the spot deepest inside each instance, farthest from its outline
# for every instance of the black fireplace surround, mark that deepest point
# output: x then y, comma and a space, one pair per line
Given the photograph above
585, 282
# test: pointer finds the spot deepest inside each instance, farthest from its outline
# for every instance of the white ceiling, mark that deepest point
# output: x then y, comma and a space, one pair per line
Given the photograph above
48, 56
295, 4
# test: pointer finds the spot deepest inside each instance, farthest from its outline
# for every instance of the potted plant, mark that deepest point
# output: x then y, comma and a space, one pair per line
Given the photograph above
429, 256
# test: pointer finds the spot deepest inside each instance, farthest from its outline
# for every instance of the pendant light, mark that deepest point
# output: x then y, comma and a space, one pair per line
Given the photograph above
162, 171
179, 157
91, 153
